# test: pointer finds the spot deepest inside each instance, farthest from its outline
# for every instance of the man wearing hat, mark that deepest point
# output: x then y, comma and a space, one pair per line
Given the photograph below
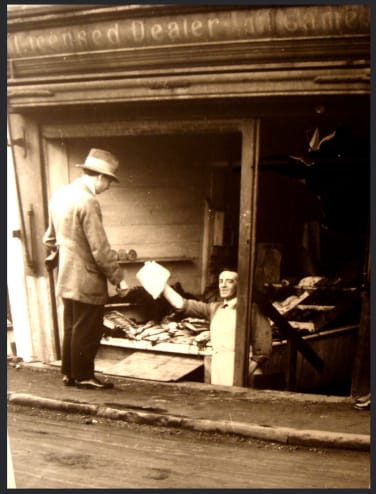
86, 262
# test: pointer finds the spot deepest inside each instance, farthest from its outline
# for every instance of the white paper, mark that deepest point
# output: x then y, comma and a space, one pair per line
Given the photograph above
153, 277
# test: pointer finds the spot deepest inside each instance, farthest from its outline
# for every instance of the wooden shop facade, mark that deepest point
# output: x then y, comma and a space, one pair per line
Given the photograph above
243, 139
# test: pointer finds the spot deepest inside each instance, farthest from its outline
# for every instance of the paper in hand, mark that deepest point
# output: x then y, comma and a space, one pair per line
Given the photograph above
153, 277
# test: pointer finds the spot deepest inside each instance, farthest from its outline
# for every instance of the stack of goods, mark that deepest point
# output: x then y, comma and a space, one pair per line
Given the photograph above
189, 331
317, 303
117, 325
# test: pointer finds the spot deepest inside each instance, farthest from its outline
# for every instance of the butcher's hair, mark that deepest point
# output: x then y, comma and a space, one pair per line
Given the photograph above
229, 271
229, 268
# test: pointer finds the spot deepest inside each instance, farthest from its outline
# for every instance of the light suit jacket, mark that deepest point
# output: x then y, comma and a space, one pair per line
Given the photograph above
86, 260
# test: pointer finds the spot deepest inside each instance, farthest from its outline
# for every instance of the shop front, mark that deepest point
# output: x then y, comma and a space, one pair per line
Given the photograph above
243, 136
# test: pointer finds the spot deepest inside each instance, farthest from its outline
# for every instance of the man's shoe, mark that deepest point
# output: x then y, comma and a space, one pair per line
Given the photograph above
68, 381
363, 405
363, 402
93, 383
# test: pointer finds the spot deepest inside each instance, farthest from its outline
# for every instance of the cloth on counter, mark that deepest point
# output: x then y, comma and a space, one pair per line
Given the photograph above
153, 277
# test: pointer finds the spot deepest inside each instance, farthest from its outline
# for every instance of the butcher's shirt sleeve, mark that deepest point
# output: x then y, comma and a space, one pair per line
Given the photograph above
197, 308
104, 256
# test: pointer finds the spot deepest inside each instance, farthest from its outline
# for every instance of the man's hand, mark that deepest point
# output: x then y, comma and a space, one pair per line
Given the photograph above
122, 288
123, 293
202, 339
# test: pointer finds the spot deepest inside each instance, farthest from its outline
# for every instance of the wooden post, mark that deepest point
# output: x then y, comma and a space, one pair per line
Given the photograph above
360, 384
16, 268
26, 277
361, 379
247, 246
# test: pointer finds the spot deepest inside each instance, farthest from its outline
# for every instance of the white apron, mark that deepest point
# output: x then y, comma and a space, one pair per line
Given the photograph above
222, 336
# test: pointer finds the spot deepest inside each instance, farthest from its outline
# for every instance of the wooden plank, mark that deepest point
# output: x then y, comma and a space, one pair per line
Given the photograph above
205, 246
150, 233
187, 250
141, 260
157, 203
166, 347
134, 127
153, 366
288, 331
137, 214
153, 194
57, 173
315, 307
174, 175
313, 288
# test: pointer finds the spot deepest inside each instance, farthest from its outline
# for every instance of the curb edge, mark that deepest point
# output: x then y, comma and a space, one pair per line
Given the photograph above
285, 435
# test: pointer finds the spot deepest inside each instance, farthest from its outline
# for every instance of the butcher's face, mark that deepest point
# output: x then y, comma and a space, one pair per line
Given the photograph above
228, 282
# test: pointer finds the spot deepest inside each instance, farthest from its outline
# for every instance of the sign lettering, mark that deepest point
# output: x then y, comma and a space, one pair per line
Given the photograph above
229, 25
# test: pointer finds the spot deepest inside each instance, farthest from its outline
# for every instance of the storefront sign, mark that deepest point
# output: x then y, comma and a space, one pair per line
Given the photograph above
192, 28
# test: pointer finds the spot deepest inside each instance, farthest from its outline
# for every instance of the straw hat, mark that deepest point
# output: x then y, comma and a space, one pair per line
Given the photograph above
101, 161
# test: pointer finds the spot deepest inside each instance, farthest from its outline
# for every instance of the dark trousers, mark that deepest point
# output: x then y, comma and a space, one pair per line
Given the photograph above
83, 329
